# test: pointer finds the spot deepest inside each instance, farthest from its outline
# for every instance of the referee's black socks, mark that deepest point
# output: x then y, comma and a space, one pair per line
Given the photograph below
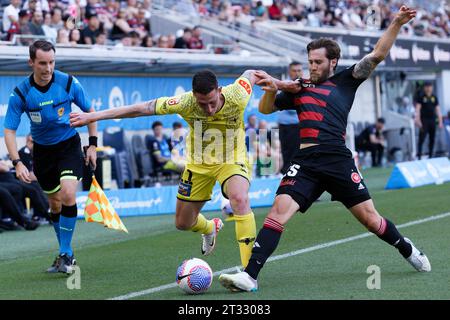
389, 233
265, 244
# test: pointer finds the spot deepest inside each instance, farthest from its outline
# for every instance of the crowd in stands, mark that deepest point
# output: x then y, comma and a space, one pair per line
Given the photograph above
433, 17
91, 22
127, 22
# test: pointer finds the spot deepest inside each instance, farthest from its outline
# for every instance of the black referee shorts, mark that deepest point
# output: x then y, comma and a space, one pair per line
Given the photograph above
52, 163
317, 169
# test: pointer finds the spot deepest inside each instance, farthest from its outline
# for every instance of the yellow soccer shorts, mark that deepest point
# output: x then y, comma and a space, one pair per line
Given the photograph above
198, 180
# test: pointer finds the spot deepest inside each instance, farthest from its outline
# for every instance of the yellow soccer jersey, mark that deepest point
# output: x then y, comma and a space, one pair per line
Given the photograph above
213, 139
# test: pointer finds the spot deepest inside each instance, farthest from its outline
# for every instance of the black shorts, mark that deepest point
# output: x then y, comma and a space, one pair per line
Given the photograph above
323, 168
52, 163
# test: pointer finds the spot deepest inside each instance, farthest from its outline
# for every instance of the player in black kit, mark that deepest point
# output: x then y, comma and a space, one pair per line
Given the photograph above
323, 163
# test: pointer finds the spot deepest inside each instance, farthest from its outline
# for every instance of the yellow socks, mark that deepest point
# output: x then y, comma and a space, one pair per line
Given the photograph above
203, 225
245, 235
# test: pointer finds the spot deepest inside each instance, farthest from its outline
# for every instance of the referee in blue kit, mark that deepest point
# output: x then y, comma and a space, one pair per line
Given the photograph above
46, 96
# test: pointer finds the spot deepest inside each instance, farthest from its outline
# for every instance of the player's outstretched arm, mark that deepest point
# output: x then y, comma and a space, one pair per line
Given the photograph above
364, 68
131, 111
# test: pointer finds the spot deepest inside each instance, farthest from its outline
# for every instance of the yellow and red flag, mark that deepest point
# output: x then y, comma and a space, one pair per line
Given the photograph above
99, 209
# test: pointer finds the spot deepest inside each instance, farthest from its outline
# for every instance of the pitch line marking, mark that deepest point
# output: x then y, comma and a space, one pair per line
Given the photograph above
283, 256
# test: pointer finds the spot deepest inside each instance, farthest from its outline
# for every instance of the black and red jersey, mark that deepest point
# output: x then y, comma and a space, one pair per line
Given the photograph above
323, 108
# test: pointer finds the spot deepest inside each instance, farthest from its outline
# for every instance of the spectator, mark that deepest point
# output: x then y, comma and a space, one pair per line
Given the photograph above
163, 42
196, 41
24, 27
23, 190
10, 210
36, 5
63, 37
275, 11
50, 32
135, 39
214, 8
158, 146
93, 28
121, 27
183, 41
36, 23
147, 42
75, 37
11, 14
288, 123
371, 139
57, 22
261, 11
101, 39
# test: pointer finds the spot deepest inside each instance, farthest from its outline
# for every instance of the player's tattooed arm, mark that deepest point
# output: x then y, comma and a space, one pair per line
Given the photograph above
151, 107
364, 68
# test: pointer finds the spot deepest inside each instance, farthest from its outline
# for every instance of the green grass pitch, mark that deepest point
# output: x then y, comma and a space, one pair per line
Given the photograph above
113, 264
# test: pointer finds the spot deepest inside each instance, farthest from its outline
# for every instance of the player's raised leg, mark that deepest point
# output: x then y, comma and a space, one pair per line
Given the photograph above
266, 243
236, 188
366, 213
188, 217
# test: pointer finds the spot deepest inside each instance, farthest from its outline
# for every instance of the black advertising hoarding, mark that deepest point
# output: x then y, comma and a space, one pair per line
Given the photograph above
404, 54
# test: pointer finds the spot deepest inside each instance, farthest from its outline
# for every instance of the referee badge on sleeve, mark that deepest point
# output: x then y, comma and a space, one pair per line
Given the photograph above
35, 116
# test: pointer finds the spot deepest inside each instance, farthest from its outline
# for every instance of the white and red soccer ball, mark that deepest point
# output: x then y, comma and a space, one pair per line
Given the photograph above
194, 276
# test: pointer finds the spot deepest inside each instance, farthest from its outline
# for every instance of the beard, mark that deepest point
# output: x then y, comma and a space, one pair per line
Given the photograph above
316, 79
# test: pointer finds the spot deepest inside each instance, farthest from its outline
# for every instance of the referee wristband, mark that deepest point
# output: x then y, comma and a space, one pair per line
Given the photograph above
93, 141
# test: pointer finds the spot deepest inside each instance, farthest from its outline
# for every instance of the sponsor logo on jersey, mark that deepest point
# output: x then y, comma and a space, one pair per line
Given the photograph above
245, 85
355, 177
173, 101
184, 189
361, 186
45, 103
287, 182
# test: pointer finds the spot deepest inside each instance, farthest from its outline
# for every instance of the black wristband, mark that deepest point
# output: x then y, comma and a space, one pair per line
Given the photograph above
93, 141
16, 161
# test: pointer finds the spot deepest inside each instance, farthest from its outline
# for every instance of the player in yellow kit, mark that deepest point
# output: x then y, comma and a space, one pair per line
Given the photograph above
216, 151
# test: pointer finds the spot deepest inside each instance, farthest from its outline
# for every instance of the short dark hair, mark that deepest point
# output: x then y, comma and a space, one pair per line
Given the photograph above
40, 45
155, 124
204, 82
427, 84
381, 120
176, 125
295, 63
331, 46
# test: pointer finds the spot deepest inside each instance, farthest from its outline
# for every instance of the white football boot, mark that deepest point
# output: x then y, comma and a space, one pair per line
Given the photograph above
418, 259
209, 240
240, 281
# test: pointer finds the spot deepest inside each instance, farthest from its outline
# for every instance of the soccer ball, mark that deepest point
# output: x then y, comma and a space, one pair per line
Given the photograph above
194, 276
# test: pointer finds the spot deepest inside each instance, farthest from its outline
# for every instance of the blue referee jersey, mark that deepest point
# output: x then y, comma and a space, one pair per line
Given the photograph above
48, 107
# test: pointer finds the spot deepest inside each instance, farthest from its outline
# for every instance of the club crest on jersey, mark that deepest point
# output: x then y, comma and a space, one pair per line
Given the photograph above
355, 177
173, 101
60, 112
35, 116
245, 85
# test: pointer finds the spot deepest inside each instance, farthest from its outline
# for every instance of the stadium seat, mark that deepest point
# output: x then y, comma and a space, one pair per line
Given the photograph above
143, 160
123, 163
115, 138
